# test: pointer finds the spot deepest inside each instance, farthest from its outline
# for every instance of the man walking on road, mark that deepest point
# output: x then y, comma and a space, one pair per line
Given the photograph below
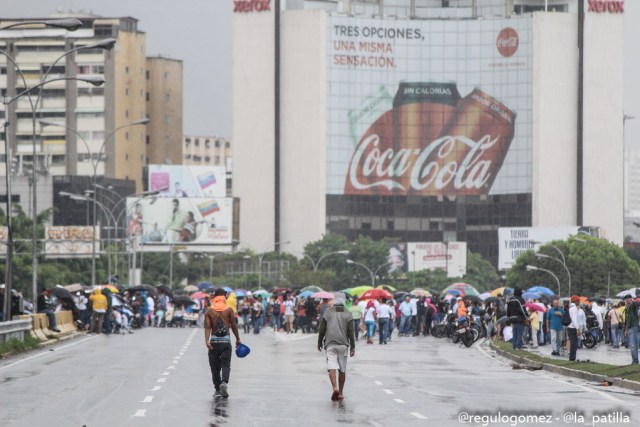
336, 336
217, 322
631, 327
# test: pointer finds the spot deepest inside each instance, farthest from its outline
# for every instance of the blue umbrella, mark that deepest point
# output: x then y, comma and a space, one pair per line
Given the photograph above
228, 289
204, 285
541, 290
306, 294
530, 295
454, 292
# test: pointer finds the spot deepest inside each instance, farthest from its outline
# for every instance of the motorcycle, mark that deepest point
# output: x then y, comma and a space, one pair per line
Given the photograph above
463, 332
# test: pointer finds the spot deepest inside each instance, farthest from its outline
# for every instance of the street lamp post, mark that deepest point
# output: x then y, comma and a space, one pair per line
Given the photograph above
373, 274
94, 164
539, 255
261, 255
534, 268
317, 264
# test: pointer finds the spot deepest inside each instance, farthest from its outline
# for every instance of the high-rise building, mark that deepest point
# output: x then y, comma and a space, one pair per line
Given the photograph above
164, 108
426, 121
82, 129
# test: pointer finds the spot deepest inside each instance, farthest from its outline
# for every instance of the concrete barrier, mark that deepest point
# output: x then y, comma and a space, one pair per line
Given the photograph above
15, 329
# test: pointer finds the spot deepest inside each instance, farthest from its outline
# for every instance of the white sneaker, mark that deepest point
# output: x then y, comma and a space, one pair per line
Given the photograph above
223, 390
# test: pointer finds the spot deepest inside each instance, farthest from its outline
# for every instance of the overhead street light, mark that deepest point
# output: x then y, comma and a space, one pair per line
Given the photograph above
69, 24
534, 268
317, 264
373, 274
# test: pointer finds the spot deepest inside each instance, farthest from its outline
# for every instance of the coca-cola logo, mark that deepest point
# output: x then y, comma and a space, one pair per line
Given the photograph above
251, 5
507, 42
373, 167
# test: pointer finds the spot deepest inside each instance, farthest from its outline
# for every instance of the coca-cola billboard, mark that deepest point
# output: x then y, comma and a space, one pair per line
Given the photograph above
459, 123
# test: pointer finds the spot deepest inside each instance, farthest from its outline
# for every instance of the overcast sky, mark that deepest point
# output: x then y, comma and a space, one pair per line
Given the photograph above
199, 33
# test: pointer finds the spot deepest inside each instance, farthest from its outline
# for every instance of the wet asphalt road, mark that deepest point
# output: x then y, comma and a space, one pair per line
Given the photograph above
160, 377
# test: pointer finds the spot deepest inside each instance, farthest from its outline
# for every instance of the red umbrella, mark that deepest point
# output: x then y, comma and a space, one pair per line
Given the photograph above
534, 306
376, 294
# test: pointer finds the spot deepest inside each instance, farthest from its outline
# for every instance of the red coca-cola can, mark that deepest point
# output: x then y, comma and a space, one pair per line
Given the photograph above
468, 154
385, 156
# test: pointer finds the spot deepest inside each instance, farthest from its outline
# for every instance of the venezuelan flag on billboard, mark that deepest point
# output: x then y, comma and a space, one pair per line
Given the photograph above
208, 207
206, 180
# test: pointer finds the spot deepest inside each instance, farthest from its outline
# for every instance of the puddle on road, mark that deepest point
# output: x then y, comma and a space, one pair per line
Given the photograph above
6, 380
219, 411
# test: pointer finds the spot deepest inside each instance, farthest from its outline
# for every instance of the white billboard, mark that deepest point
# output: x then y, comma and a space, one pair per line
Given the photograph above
4, 237
71, 241
160, 223
188, 181
513, 241
450, 257
429, 107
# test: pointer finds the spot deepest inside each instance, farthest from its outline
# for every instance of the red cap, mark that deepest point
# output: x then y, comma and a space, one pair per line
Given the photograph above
575, 298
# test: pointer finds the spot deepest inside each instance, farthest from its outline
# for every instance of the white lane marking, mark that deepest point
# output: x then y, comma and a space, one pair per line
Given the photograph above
177, 357
175, 361
386, 390
377, 382
165, 373
171, 367
46, 352
162, 380
418, 415
140, 413
156, 388
147, 399
399, 400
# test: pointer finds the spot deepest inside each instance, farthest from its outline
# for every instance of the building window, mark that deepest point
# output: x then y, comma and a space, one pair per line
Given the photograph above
126, 113
227, 144
126, 136
187, 142
148, 96
167, 120
197, 144
217, 160
167, 139
217, 144
147, 74
207, 143
148, 139
167, 74
126, 70
126, 156
126, 92
167, 96
207, 159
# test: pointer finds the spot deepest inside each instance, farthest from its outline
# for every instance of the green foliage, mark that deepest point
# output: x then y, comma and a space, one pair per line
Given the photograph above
15, 346
597, 267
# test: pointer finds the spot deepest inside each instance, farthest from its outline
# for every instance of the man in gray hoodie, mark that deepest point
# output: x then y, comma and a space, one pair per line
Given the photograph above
336, 336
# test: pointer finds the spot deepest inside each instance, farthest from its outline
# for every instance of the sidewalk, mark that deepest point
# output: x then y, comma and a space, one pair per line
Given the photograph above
601, 353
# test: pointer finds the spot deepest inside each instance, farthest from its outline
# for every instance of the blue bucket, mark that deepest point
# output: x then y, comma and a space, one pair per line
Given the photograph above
242, 350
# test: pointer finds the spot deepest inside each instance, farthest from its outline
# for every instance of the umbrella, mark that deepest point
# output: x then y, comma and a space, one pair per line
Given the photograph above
399, 294
306, 294
483, 296
166, 289
226, 288
140, 288
530, 295
205, 285
359, 290
182, 300
61, 293
387, 288
420, 292
198, 295
262, 292
465, 288
323, 295
116, 302
633, 292
191, 288
75, 287
112, 288
241, 293
376, 294
533, 306
312, 288
490, 300
455, 292
280, 290
502, 291
540, 290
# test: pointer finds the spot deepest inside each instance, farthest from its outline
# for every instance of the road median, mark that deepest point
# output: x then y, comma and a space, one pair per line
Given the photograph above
627, 376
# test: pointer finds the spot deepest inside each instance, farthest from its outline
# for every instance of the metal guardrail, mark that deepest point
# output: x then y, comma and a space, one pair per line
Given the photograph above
14, 329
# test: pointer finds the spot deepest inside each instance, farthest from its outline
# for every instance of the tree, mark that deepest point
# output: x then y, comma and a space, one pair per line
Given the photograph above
597, 267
